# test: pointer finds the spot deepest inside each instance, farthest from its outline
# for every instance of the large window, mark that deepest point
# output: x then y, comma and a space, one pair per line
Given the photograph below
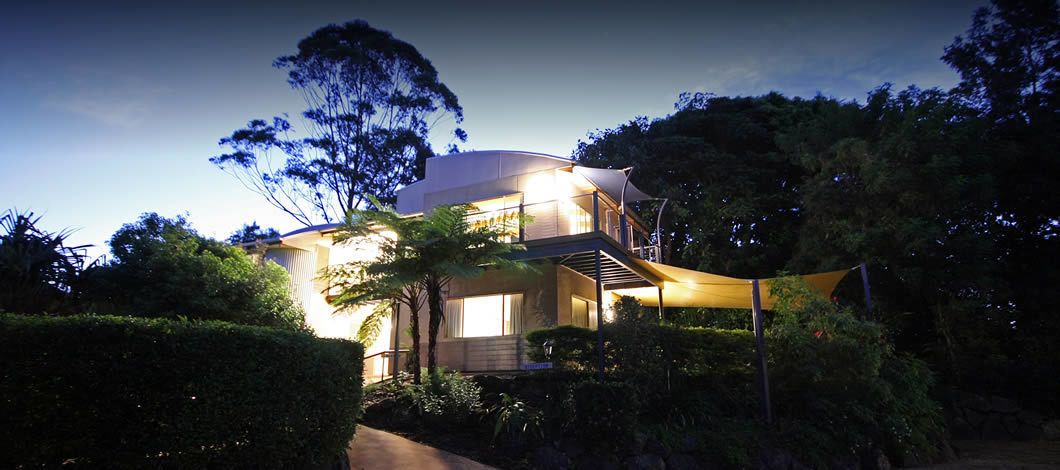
582, 312
487, 315
501, 213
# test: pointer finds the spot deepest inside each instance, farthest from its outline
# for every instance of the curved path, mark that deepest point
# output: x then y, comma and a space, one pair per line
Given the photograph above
374, 449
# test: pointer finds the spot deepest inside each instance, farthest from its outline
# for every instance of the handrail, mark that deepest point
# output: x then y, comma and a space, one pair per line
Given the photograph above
388, 351
620, 230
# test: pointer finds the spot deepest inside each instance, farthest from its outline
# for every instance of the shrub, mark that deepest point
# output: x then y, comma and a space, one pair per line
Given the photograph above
602, 413
447, 397
830, 370
516, 422
115, 392
162, 268
573, 347
727, 354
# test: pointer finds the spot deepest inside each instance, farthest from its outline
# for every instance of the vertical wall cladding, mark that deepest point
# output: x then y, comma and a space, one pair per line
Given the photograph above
570, 283
302, 267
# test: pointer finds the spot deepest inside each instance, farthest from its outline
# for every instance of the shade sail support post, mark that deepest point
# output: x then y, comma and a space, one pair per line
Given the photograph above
760, 350
868, 292
623, 223
658, 233
599, 320
660, 288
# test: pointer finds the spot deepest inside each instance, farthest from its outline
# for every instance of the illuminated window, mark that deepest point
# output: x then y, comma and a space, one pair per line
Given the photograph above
501, 213
488, 315
582, 312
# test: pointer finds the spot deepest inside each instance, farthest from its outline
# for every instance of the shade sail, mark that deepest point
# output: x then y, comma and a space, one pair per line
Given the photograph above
611, 182
689, 288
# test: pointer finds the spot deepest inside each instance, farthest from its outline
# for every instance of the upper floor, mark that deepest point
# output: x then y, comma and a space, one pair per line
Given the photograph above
561, 198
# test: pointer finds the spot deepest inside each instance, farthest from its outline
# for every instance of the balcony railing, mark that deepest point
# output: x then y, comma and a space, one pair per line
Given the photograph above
584, 213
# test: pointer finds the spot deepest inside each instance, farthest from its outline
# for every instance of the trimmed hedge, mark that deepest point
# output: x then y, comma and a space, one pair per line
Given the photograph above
120, 392
692, 351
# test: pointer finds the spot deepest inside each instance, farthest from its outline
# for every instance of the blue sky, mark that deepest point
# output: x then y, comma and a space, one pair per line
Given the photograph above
112, 109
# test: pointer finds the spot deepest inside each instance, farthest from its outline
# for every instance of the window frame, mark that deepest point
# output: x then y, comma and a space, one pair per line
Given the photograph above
502, 294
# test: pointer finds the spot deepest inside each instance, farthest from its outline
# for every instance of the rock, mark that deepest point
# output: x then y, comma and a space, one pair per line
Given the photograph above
778, 459
597, 462
974, 418
974, 402
645, 462
845, 463
1011, 424
549, 458
571, 447
1003, 405
687, 444
1030, 417
653, 446
960, 429
910, 460
1051, 430
639, 440
682, 462
875, 459
993, 429
946, 452
1028, 432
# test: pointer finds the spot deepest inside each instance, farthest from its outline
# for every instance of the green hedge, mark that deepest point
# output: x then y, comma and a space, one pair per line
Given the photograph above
692, 351
118, 392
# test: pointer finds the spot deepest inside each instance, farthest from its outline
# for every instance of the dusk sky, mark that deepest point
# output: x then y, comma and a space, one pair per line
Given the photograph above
113, 110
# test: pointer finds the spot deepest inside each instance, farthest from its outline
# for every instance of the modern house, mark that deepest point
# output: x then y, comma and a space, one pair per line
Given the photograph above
587, 245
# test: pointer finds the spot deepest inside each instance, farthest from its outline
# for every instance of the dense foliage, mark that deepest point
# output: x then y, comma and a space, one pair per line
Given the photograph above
163, 268
371, 100
948, 196
113, 392
39, 273
828, 370
252, 232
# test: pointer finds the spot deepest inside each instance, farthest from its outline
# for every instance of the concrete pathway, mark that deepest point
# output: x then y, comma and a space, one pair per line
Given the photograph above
374, 449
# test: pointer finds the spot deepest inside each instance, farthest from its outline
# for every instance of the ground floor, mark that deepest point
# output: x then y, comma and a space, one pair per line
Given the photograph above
486, 318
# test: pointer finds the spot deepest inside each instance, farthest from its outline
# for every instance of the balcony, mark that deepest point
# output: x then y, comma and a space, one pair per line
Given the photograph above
584, 213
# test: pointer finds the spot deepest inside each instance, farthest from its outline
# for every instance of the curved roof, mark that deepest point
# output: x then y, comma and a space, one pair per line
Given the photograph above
312, 228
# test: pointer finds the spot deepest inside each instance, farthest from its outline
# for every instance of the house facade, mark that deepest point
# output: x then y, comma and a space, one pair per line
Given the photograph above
585, 247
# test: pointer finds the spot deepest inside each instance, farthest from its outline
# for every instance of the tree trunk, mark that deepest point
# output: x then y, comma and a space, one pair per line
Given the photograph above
414, 327
412, 301
434, 309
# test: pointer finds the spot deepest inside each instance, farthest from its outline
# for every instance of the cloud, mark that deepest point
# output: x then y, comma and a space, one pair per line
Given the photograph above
113, 99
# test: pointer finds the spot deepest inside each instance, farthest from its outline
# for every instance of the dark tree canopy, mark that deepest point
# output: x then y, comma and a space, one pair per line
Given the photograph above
252, 232
906, 182
163, 268
372, 101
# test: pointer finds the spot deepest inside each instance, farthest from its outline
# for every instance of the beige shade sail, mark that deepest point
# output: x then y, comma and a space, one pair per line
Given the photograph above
689, 288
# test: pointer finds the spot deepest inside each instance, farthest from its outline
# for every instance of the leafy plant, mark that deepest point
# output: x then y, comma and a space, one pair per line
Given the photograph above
447, 397
516, 421
602, 414
38, 272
